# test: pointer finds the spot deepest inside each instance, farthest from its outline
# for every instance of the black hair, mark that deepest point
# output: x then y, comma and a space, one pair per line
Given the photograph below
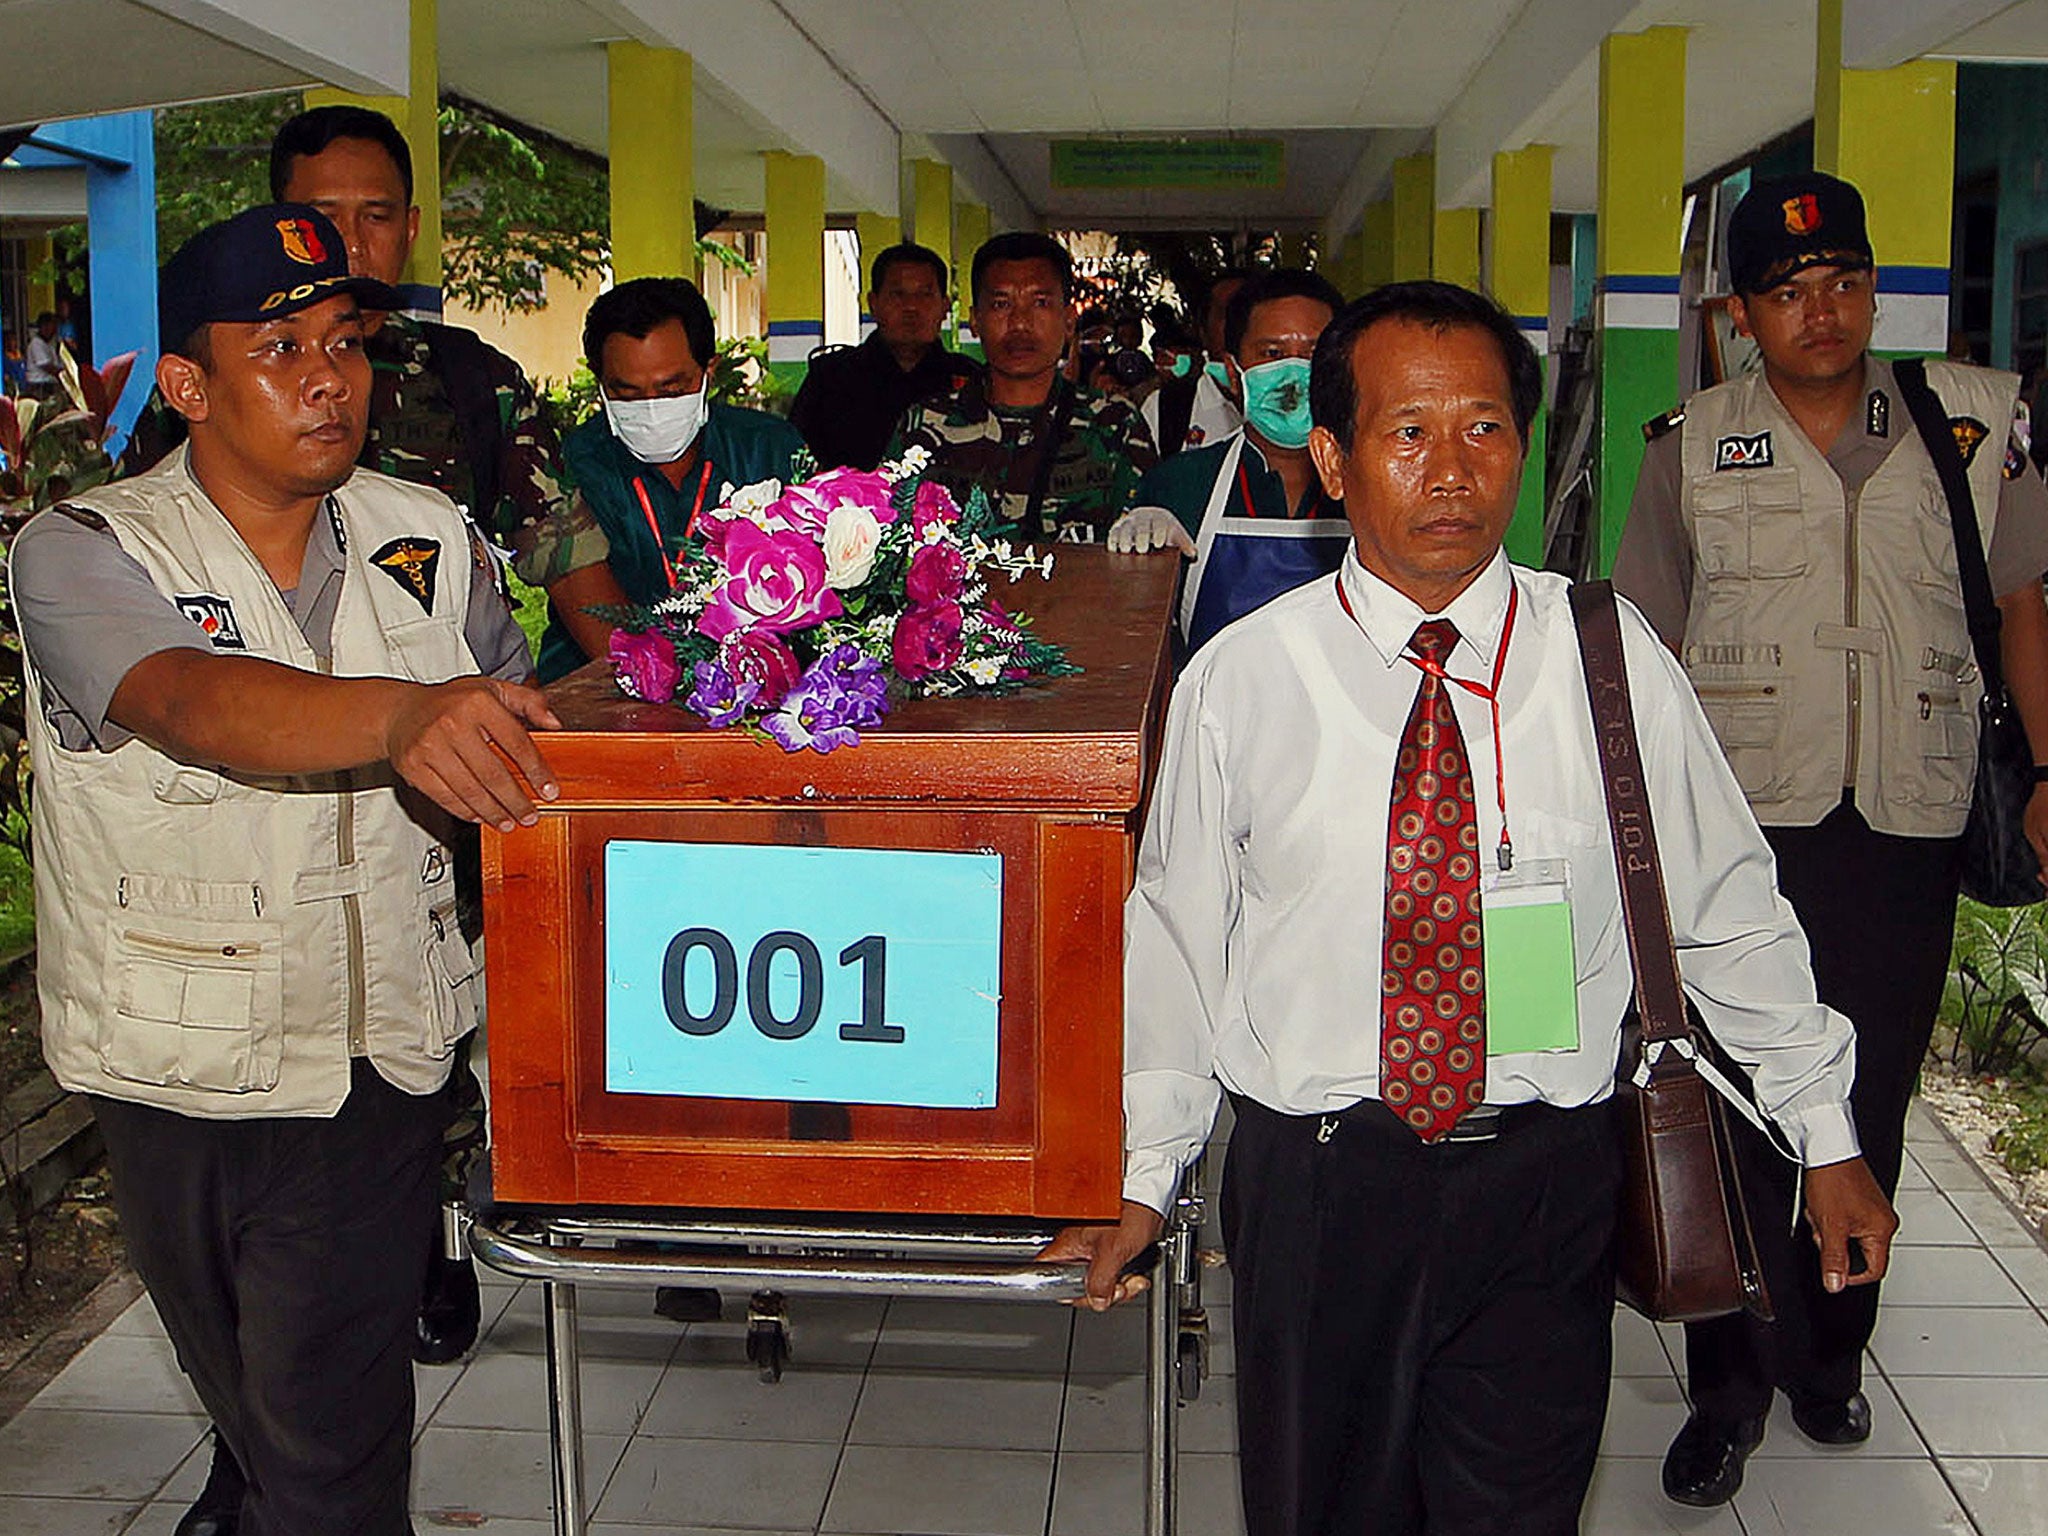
1022, 245
914, 254
47, 317
311, 132
1333, 390
636, 308
1264, 288
1208, 296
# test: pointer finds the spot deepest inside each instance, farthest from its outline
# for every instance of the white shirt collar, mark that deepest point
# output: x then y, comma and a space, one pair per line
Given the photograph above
1389, 618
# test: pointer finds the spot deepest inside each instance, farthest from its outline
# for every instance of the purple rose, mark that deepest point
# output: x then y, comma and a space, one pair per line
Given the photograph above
755, 657
717, 697
937, 575
862, 487
927, 640
842, 692
645, 665
934, 504
774, 581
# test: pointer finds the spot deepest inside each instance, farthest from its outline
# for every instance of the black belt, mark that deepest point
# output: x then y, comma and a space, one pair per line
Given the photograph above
1485, 1122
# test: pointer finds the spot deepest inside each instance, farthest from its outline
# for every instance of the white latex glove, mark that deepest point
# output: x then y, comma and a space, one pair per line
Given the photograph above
1145, 529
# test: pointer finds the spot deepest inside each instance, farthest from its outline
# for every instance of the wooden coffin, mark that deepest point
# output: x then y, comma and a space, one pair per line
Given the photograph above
1052, 779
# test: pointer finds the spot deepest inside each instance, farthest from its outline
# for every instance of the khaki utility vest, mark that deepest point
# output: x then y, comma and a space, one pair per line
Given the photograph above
221, 945
1826, 636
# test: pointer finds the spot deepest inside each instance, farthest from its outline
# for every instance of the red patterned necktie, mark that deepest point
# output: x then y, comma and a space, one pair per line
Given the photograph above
1433, 978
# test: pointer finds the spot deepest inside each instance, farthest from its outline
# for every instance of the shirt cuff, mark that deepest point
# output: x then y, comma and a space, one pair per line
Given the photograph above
1151, 1178
1820, 1134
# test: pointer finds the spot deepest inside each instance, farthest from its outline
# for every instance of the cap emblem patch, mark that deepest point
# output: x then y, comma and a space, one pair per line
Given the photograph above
1802, 214
301, 241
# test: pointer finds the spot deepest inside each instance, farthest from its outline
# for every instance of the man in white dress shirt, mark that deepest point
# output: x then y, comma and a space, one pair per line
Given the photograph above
1421, 1230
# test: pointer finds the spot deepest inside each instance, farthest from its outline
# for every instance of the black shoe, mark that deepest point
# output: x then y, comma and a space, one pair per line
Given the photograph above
686, 1303
218, 1509
1826, 1421
450, 1311
1703, 1468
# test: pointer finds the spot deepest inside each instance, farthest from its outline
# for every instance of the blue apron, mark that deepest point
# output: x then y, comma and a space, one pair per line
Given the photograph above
1242, 563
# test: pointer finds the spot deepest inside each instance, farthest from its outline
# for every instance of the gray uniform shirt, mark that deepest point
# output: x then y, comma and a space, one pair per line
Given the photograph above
1653, 567
89, 612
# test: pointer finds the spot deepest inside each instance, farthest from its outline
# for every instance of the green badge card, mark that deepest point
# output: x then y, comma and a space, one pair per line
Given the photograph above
1532, 998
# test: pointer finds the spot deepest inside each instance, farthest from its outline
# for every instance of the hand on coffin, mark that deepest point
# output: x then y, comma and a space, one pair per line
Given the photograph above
459, 743
1142, 530
1109, 1250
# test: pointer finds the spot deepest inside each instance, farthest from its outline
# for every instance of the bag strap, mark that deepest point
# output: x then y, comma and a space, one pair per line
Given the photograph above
1176, 412
1660, 998
1980, 605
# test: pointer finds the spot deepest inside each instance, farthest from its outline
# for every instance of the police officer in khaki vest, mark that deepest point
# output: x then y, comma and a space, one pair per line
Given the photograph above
255, 715
1790, 540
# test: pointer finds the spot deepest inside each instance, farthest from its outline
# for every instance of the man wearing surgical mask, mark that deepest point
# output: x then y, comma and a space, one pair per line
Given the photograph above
1200, 404
659, 455
1248, 511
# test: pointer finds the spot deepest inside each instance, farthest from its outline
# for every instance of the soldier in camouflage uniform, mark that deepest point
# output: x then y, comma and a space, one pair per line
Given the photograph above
450, 411
1061, 460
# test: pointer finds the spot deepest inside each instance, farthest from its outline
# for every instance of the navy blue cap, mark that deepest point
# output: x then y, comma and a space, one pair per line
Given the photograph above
260, 265
1789, 223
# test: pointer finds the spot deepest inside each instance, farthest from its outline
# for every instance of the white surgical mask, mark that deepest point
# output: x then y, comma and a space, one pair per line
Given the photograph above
657, 431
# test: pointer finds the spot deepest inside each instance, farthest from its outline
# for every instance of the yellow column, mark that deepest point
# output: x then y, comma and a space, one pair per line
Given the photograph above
1518, 275
1376, 246
1341, 265
42, 291
1414, 216
1642, 189
931, 213
418, 117
654, 228
1892, 132
796, 262
1454, 247
970, 228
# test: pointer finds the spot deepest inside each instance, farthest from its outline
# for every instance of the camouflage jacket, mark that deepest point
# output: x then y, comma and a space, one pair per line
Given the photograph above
1104, 447
432, 387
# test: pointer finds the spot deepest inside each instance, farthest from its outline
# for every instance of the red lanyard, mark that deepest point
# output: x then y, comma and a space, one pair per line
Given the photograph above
1489, 691
654, 523
1244, 487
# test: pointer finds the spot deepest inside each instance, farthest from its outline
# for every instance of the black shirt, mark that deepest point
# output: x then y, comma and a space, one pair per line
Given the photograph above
853, 397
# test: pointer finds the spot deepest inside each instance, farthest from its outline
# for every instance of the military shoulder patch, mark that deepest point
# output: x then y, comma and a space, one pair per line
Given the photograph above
2015, 462
1737, 452
413, 564
1657, 426
1877, 415
1969, 435
215, 617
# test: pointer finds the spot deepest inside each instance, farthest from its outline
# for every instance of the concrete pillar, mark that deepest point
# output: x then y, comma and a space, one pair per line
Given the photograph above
1376, 246
1893, 133
1414, 210
1642, 182
418, 116
971, 229
653, 183
931, 219
796, 262
1454, 247
1518, 275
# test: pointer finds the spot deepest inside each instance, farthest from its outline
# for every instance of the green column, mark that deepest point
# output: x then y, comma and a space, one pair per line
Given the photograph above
1518, 275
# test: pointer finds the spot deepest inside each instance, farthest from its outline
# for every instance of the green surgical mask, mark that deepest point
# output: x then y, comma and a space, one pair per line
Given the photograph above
1182, 365
1276, 401
1220, 372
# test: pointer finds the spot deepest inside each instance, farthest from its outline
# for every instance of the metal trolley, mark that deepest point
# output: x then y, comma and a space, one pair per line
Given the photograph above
773, 1261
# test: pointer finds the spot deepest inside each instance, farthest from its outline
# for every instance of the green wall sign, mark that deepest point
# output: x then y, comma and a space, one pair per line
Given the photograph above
1154, 164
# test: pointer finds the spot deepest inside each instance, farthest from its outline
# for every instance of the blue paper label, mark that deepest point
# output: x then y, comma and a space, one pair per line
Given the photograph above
829, 975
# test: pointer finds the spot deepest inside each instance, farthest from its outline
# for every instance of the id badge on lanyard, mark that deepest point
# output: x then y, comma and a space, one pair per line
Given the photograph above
1532, 994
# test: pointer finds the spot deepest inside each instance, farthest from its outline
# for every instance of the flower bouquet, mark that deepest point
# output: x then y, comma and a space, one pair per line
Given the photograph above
803, 610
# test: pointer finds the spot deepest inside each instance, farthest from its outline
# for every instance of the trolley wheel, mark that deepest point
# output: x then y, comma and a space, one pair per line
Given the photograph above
767, 1334
1191, 1354
768, 1349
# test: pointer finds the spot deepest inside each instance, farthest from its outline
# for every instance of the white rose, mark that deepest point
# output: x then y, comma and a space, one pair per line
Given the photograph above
851, 534
750, 501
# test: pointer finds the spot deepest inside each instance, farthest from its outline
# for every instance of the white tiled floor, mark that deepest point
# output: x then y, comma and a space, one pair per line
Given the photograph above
947, 1419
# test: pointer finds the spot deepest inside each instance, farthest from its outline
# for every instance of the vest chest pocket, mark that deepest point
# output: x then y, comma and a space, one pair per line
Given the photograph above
197, 1002
1749, 523
430, 650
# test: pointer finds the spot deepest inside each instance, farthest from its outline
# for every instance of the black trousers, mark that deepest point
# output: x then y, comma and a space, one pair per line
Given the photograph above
1423, 1332
286, 1258
1879, 912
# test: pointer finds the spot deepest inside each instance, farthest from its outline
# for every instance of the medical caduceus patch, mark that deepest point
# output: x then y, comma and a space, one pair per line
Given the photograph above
412, 563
